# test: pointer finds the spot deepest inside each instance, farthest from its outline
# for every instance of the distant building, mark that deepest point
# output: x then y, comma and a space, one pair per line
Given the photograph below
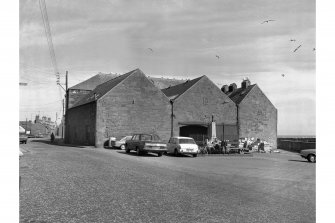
34, 128
256, 115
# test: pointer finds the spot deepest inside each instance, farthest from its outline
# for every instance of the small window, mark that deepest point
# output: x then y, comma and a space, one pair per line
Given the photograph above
205, 101
136, 137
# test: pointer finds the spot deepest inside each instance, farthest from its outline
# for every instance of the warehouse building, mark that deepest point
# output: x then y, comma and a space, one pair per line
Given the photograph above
256, 115
123, 105
195, 104
133, 102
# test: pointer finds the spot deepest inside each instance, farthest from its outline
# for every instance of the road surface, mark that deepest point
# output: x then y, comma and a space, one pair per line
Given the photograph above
85, 184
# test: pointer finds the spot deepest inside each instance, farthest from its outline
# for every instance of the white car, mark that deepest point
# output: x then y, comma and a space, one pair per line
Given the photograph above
182, 145
114, 143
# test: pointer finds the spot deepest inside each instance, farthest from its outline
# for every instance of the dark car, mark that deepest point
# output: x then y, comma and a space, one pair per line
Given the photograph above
145, 143
23, 138
309, 154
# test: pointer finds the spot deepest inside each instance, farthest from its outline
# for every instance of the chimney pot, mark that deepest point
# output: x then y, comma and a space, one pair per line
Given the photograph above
232, 87
245, 83
225, 88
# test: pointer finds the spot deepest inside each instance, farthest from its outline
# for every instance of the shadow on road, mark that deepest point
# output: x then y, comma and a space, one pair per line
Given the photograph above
56, 143
134, 154
178, 156
302, 161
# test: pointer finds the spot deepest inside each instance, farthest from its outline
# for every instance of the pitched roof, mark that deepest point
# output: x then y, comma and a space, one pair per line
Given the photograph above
177, 90
100, 78
103, 88
162, 83
240, 93
94, 81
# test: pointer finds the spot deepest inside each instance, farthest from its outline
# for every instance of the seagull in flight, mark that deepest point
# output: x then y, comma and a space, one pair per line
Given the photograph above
314, 49
267, 21
297, 48
151, 49
292, 40
217, 56
283, 75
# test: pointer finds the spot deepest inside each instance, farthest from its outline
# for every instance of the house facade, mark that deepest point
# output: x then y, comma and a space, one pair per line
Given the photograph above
256, 115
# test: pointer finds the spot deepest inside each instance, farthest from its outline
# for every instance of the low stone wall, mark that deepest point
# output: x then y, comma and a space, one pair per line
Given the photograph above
296, 144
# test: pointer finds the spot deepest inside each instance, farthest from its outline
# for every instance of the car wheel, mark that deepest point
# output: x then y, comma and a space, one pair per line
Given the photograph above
122, 147
160, 154
311, 158
127, 150
195, 155
175, 152
138, 152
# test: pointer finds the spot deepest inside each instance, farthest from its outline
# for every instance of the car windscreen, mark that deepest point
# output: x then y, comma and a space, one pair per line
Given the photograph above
150, 138
186, 141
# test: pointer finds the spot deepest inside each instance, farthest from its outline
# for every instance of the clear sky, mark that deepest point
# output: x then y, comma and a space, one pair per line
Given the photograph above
185, 36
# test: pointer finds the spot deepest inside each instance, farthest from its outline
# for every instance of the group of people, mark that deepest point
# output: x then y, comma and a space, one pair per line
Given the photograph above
216, 146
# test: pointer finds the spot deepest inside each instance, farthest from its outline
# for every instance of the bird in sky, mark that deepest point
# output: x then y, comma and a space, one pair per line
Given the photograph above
151, 49
297, 48
314, 49
283, 75
292, 40
217, 56
267, 21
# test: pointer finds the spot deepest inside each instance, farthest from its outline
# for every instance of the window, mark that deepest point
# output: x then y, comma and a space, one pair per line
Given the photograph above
146, 138
186, 141
205, 101
136, 137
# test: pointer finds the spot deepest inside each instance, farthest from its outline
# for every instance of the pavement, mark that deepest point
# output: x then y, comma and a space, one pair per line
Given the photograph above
85, 184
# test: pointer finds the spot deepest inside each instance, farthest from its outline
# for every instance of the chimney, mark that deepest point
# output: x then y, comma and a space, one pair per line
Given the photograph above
232, 87
225, 88
245, 83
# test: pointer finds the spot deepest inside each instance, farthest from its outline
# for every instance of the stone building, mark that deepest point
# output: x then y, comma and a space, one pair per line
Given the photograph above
195, 104
78, 91
256, 115
129, 103
120, 105
35, 129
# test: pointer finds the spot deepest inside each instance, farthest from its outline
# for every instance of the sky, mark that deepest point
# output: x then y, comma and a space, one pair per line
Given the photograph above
114, 36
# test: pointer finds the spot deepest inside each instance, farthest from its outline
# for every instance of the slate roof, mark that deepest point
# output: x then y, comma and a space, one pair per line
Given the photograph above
177, 90
239, 94
103, 88
94, 81
100, 78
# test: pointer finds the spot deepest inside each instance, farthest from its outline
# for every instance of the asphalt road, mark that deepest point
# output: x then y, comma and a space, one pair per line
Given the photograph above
85, 184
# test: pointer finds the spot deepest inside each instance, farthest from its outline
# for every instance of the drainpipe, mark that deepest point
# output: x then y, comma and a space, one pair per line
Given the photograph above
172, 116
238, 121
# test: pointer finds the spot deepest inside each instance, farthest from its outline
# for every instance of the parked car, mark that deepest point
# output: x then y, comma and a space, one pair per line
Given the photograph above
308, 154
182, 145
23, 138
145, 143
117, 143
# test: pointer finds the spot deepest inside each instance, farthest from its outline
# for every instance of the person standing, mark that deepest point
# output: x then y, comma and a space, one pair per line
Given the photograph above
52, 137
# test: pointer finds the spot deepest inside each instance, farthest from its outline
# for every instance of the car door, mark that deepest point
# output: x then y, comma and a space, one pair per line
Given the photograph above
133, 141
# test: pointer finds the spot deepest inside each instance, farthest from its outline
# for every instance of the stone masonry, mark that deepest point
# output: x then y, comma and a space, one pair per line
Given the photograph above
258, 117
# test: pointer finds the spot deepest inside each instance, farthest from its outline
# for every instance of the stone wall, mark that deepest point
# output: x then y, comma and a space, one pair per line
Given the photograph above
258, 117
135, 105
200, 102
80, 125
